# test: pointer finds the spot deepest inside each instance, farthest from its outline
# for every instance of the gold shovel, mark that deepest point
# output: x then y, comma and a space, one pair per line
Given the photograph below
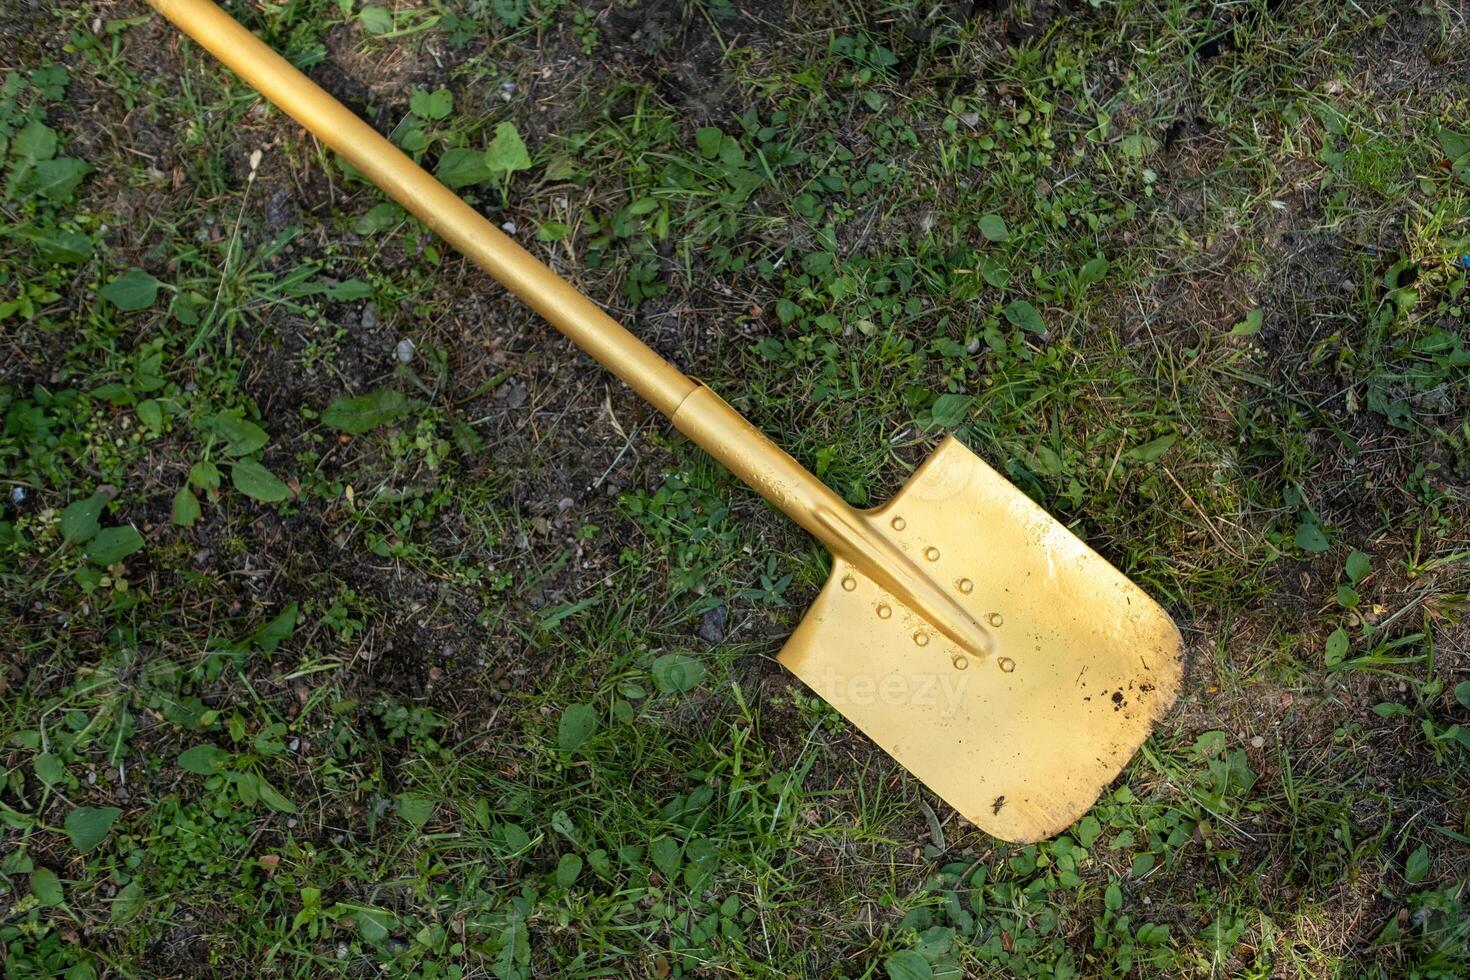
977, 640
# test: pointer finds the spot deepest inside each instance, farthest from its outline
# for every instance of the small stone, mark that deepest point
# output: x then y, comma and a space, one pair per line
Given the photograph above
369, 317
712, 624
404, 351
512, 395
509, 227
1257, 742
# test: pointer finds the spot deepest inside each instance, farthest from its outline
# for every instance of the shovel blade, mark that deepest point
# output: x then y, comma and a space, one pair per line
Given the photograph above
1023, 741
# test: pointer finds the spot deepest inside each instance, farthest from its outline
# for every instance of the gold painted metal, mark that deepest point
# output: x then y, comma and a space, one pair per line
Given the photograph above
850, 535
1081, 662
964, 630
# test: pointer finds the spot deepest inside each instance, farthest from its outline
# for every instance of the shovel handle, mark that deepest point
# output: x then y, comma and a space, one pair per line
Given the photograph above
694, 409
431, 202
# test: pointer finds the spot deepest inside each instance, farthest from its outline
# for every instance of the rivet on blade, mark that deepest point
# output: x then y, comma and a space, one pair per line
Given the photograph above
1006, 664
849, 583
898, 523
921, 639
960, 663
884, 611
931, 553
995, 619
965, 586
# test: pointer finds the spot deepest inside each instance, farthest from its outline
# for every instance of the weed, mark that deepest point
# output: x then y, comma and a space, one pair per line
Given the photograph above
351, 625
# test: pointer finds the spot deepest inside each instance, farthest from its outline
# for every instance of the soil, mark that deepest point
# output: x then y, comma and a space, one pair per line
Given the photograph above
680, 49
563, 448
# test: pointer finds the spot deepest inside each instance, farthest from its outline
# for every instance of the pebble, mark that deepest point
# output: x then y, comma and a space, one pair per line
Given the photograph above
509, 227
512, 395
404, 351
278, 210
369, 317
1257, 742
712, 624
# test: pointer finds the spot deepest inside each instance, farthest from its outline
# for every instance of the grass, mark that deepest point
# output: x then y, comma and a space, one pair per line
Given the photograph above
354, 624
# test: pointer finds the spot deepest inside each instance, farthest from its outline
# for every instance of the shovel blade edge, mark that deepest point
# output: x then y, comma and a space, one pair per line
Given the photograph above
1082, 663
